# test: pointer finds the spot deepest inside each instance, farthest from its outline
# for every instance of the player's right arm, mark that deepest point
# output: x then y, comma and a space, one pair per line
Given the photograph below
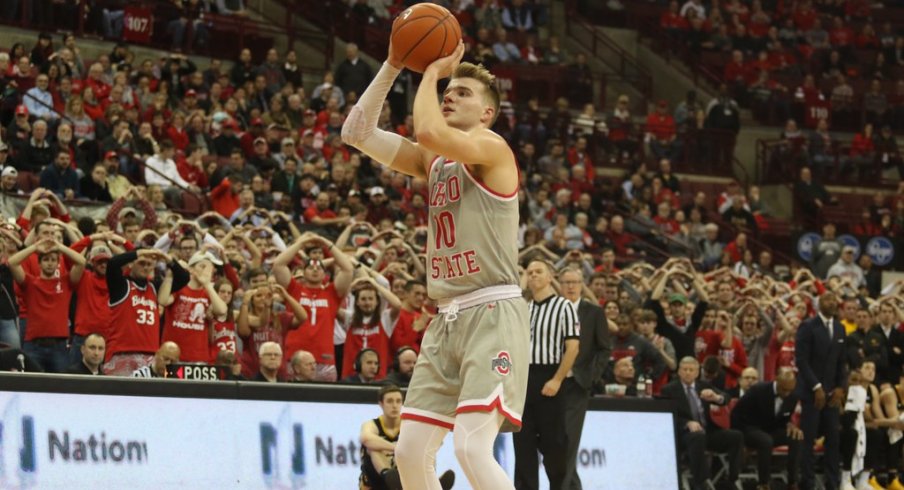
360, 127
370, 438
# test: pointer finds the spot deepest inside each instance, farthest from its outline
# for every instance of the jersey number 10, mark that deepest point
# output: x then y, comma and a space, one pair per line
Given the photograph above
444, 222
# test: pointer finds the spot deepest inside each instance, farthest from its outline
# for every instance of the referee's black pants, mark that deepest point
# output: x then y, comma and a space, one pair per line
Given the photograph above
543, 429
575, 400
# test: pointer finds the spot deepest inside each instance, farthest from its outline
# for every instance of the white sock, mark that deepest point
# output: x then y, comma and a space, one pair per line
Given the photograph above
863, 478
415, 454
845, 476
474, 435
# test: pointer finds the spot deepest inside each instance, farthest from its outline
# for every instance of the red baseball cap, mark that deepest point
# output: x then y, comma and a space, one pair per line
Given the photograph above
229, 123
309, 112
191, 93
21, 110
110, 154
257, 122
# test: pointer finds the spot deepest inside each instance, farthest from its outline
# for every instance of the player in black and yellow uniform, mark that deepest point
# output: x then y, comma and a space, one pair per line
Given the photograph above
378, 442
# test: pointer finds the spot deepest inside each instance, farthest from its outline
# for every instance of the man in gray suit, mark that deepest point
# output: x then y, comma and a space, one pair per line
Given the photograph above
593, 356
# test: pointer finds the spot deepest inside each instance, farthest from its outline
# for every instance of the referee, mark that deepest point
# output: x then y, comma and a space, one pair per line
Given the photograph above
554, 333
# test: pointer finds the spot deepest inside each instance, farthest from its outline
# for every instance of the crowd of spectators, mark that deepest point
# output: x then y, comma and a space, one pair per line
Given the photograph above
805, 59
308, 264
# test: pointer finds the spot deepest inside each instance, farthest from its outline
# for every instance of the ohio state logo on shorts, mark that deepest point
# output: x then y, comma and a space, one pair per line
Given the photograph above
502, 364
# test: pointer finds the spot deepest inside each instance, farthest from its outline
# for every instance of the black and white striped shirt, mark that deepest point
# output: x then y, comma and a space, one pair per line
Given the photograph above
144, 372
552, 321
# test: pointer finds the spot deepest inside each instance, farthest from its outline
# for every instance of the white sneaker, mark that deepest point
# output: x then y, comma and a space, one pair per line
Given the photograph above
847, 485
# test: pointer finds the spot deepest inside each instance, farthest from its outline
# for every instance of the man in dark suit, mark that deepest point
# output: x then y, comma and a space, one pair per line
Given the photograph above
593, 356
819, 355
696, 429
763, 415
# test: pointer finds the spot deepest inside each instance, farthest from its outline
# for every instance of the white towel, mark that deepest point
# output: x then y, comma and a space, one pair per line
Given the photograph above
856, 402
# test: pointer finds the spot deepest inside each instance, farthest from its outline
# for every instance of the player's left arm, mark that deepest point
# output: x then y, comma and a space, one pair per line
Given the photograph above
370, 438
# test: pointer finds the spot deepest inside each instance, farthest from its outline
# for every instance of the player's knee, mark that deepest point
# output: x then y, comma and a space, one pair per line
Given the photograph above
409, 454
468, 448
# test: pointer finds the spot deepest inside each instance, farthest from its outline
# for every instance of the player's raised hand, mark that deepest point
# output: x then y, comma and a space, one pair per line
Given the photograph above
444, 67
392, 59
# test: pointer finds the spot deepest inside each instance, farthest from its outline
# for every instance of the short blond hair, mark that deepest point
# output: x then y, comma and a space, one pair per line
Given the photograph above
487, 79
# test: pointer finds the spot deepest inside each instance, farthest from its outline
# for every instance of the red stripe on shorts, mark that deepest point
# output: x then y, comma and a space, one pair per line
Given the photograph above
427, 420
496, 404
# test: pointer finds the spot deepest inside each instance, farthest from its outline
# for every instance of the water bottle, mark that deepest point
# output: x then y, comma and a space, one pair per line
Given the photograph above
648, 390
641, 386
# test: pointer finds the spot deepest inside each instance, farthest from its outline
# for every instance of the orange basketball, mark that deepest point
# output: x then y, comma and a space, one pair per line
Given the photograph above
424, 33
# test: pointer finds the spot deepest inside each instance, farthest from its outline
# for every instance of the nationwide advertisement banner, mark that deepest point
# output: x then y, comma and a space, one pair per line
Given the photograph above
51, 440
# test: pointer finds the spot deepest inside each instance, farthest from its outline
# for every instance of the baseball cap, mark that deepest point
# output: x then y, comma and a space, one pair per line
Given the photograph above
353, 192
206, 255
99, 252
230, 123
677, 298
257, 122
310, 262
259, 140
21, 110
128, 210
377, 190
307, 132
309, 112
191, 93
848, 248
7, 171
287, 141
110, 154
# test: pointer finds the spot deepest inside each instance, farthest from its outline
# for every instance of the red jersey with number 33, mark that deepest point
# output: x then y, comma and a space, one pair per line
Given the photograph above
223, 338
135, 326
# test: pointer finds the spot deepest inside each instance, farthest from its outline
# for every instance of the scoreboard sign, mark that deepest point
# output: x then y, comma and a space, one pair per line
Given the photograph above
197, 372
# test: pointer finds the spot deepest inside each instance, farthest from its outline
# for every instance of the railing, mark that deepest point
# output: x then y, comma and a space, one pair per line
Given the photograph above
644, 17
624, 65
779, 161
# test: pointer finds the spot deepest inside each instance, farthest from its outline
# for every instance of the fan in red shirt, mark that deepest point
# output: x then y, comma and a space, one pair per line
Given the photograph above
47, 296
671, 20
725, 346
92, 311
95, 81
621, 240
185, 319
579, 155
191, 166
135, 328
370, 325
736, 71
841, 36
804, 16
411, 319
260, 322
222, 327
661, 133
320, 300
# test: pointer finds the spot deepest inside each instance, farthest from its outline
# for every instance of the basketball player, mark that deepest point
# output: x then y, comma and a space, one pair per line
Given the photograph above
378, 442
472, 371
